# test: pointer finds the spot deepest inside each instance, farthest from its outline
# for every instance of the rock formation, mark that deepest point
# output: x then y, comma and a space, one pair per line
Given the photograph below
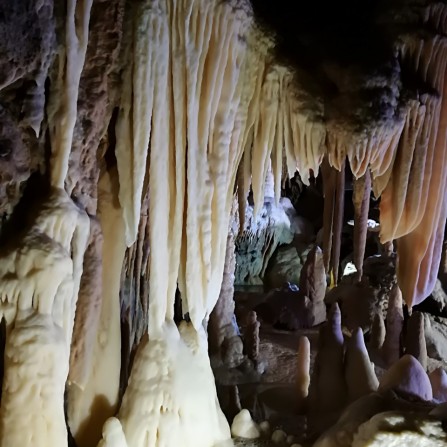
127, 131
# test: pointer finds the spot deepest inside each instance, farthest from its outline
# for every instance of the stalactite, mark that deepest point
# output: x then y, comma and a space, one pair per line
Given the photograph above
361, 198
339, 207
420, 222
329, 185
63, 107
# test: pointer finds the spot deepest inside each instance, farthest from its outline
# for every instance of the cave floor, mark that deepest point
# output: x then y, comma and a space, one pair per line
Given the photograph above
272, 395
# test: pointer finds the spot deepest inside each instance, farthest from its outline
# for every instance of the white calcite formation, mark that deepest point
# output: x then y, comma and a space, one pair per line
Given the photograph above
39, 289
397, 429
243, 426
203, 104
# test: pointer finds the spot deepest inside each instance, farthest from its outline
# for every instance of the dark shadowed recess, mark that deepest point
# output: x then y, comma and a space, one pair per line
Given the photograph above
313, 31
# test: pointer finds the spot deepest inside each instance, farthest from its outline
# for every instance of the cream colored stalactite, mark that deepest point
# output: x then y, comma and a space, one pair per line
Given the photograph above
256, 66
211, 170
265, 134
308, 137
91, 403
286, 112
419, 252
146, 45
171, 381
249, 90
63, 107
278, 147
414, 156
197, 233
177, 140
418, 174
381, 164
39, 290
163, 272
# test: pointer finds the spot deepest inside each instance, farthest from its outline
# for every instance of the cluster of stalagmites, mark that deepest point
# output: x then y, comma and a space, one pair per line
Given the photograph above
356, 402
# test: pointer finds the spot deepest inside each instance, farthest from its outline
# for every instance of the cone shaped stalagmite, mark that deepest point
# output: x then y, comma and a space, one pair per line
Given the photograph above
328, 390
438, 380
359, 372
415, 344
407, 376
394, 326
303, 368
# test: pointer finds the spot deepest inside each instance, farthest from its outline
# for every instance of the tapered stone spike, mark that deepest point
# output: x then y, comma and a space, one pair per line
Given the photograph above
303, 368
408, 377
378, 333
438, 380
394, 324
415, 344
360, 376
328, 390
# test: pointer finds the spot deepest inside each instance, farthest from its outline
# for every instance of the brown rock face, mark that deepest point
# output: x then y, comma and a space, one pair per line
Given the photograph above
27, 45
97, 97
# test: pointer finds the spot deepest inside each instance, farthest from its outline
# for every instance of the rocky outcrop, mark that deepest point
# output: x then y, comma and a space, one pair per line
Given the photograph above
271, 247
292, 308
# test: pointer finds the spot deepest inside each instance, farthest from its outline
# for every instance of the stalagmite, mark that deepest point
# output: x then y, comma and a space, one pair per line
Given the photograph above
394, 326
359, 372
328, 390
303, 368
415, 344
40, 284
234, 405
361, 197
313, 276
243, 426
378, 333
438, 380
407, 376
251, 336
